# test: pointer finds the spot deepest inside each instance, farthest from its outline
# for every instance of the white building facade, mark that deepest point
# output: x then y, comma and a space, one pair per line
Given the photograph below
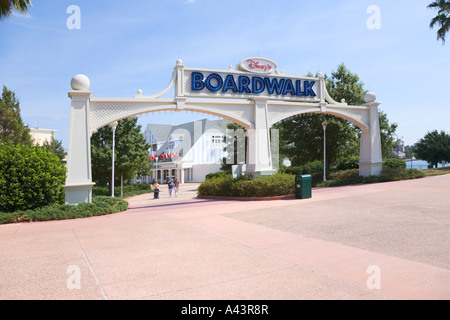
41, 136
188, 151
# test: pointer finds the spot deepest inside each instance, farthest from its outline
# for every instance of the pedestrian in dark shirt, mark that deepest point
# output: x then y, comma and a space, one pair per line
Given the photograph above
171, 188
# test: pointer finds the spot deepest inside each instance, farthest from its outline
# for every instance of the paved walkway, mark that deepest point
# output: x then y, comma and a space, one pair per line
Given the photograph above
380, 241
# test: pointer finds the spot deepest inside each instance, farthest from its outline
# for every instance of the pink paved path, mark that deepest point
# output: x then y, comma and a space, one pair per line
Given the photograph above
380, 241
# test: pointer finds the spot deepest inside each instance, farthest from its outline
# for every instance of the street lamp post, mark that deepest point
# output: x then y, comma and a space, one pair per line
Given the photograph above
324, 125
113, 126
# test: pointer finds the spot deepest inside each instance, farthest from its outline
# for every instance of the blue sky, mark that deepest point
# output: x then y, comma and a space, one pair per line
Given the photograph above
126, 46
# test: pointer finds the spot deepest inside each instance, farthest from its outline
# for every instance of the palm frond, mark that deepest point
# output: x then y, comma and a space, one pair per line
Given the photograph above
7, 7
442, 19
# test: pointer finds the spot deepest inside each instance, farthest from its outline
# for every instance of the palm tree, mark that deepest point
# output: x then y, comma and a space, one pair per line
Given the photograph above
442, 19
8, 6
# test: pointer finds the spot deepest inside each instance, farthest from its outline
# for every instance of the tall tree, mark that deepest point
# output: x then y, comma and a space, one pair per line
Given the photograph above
434, 147
304, 137
346, 85
301, 137
131, 153
55, 146
8, 6
442, 19
12, 129
387, 132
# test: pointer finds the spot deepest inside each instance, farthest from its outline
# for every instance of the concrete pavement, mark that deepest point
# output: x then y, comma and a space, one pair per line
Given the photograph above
380, 241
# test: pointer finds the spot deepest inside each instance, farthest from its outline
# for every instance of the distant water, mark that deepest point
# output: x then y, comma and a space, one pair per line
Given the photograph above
419, 164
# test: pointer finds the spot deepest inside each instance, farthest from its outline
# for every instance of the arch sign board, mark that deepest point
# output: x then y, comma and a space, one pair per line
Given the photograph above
256, 82
255, 95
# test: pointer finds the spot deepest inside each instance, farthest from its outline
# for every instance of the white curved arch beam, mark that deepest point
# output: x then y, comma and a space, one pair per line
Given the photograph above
106, 110
357, 115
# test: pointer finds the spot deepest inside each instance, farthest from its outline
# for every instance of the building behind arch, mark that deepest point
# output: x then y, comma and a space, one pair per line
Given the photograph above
187, 151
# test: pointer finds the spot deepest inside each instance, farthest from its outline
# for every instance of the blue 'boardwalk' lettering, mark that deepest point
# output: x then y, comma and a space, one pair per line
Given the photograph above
255, 85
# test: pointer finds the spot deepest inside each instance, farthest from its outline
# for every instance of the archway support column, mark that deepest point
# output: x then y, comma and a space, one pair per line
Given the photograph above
370, 157
78, 187
259, 155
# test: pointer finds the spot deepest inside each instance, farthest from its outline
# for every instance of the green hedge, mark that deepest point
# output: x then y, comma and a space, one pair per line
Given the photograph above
128, 191
216, 174
315, 169
394, 163
100, 206
312, 168
404, 174
344, 174
284, 184
279, 184
30, 177
348, 163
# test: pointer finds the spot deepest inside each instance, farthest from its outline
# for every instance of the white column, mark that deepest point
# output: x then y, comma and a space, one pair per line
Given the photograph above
78, 187
182, 175
113, 127
259, 155
370, 157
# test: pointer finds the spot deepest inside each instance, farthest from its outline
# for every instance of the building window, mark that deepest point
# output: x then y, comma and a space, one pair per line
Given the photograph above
217, 142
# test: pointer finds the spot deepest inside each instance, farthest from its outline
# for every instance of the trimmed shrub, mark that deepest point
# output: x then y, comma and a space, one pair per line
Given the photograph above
30, 177
217, 186
403, 175
393, 167
314, 168
100, 206
128, 191
275, 185
347, 179
348, 163
342, 182
344, 174
394, 163
294, 170
216, 174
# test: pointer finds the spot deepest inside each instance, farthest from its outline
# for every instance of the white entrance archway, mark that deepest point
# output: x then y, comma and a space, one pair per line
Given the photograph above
254, 95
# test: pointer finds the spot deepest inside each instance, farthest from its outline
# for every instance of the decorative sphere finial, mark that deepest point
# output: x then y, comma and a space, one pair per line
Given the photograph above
179, 62
370, 97
80, 83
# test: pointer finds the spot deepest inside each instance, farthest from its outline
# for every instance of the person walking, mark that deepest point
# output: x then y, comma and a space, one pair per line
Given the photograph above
177, 185
171, 186
155, 190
